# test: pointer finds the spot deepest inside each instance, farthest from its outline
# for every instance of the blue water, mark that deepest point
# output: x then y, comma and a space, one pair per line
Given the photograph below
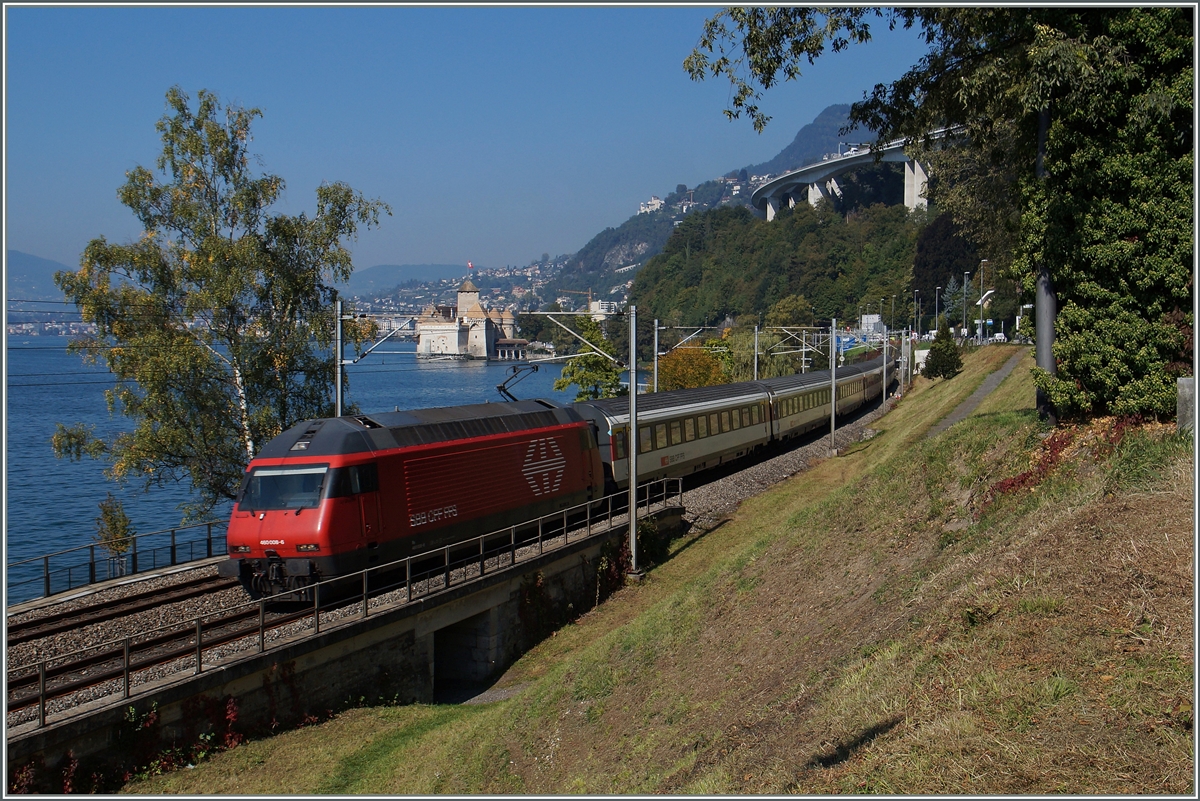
51, 504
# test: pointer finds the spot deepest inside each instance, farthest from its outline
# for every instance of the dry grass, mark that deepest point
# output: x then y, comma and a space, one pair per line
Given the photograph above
871, 625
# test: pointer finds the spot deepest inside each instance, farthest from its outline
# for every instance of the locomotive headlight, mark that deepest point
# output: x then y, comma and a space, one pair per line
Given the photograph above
308, 547
239, 549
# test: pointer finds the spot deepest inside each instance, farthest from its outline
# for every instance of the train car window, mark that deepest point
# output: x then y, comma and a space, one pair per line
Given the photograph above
737, 419
619, 442
660, 435
283, 488
755, 414
676, 433
745, 416
644, 443
689, 429
725, 427
702, 425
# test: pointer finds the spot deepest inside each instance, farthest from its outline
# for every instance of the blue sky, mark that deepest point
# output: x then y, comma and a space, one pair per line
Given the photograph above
496, 134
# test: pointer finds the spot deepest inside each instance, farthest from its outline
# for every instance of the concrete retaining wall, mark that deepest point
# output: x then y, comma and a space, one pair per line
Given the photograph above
468, 634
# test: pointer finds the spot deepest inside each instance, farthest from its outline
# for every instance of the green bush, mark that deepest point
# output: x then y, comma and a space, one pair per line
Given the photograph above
944, 360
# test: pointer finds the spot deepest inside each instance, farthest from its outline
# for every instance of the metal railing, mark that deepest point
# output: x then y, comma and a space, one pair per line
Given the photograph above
390, 586
141, 552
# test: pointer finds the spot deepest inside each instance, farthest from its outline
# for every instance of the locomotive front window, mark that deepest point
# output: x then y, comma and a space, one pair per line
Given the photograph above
268, 488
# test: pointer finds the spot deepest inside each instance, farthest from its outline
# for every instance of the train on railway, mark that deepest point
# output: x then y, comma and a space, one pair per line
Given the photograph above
335, 496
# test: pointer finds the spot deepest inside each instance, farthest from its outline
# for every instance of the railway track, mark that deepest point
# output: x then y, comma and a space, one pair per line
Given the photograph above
56, 623
61, 678
67, 679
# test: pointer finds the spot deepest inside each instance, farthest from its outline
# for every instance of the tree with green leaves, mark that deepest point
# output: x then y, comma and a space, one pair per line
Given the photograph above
596, 376
114, 531
1070, 163
943, 359
794, 310
217, 321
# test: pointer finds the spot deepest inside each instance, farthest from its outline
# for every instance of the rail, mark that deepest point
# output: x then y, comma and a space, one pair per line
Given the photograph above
164, 548
390, 586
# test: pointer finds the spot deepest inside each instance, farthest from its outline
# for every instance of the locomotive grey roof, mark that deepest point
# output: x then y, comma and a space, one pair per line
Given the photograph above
374, 432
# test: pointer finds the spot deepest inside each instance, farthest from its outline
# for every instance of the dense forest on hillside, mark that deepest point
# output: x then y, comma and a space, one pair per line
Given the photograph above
729, 262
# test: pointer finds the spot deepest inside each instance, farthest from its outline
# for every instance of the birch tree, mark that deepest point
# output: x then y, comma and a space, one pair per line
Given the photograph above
217, 321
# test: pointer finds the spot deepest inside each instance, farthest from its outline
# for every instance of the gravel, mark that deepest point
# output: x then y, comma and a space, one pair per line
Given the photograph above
705, 505
709, 503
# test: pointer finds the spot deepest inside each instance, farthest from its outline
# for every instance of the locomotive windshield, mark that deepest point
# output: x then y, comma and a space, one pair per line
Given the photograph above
269, 488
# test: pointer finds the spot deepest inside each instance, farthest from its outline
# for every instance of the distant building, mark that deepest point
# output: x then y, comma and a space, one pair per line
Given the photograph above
600, 309
466, 330
654, 204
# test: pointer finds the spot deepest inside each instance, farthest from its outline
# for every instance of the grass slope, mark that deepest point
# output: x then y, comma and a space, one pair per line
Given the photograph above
887, 621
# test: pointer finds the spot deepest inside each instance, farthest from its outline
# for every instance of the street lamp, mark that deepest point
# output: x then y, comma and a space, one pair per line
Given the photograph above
916, 322
966, 281
937, 294
980, 332
892, 319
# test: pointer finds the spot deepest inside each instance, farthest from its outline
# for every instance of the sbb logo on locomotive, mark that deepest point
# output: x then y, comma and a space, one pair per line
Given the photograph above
544, 466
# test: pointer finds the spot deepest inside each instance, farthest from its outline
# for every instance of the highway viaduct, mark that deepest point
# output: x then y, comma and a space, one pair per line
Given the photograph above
819, 180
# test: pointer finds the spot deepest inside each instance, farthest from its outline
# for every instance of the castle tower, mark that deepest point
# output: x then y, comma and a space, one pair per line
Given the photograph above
468, 297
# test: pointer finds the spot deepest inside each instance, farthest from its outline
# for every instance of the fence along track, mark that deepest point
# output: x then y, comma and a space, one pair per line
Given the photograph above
404, 586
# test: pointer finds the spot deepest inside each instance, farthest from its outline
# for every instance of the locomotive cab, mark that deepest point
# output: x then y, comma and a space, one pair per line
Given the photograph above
289, 518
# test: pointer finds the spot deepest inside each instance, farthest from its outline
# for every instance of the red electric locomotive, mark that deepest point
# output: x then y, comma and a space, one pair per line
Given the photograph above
332, 497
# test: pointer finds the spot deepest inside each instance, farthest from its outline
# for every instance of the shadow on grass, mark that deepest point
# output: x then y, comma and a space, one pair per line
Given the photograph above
843, 750
693, 538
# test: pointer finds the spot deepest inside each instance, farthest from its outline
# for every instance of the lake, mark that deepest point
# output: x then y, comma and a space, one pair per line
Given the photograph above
51, 504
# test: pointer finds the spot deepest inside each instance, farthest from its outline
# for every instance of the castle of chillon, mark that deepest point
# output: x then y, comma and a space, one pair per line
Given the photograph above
468, 331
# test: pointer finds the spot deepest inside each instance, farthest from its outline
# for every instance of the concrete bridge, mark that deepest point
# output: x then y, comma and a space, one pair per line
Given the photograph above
819, 180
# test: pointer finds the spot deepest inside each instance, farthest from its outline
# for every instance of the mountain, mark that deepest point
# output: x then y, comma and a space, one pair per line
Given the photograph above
644, 235
31, 277
811, 143
382, 278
